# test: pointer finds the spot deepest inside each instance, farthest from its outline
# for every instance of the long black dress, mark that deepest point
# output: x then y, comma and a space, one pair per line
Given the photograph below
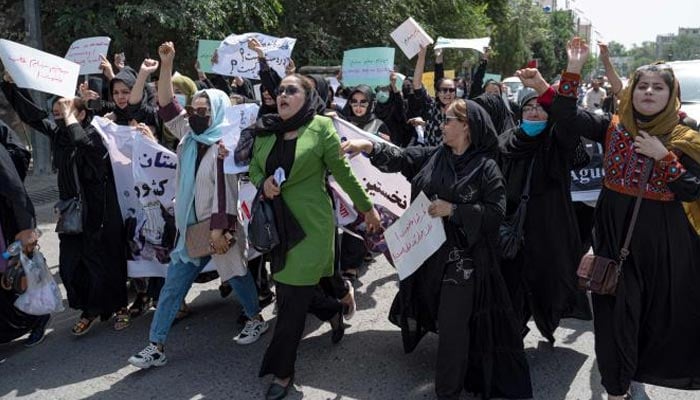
541, 279
649, 331
460, 285
16, 214
92, 265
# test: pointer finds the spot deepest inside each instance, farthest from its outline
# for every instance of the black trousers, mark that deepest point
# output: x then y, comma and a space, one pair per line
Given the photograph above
293, 302
454, 316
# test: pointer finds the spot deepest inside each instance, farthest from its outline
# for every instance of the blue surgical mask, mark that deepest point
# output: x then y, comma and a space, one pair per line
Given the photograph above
533, 128
382, 96
460, 93
182, 99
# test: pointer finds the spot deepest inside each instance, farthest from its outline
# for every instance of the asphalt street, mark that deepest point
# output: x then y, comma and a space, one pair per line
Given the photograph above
205, 363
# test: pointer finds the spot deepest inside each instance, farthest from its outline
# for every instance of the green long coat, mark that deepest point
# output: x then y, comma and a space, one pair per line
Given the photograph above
304, 192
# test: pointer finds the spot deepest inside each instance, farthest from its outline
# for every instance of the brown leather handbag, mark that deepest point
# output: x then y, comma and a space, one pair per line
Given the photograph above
600, 275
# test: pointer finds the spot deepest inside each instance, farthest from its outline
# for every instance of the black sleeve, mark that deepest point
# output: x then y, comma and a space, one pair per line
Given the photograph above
144, 112
246, 90
477, 85
419, 102
484, 215
576, 121
13, 195
407, 161
439, 74
30, 113
687, 186
269, 78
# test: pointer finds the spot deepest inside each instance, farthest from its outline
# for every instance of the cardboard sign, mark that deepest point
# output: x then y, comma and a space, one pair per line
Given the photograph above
410, 36
414, 237
477, 44
87, 51
34, 69
236, 59
205, 50
370, 66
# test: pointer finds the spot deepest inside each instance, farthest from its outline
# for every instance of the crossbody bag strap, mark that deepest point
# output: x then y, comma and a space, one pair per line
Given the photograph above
525, 196
624, 252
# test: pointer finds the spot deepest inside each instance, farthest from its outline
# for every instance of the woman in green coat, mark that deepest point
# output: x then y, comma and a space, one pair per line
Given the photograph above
301, 146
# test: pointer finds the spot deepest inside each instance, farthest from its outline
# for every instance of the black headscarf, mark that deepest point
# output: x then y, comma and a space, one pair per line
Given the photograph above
323, 92
495, 106
128, 77
274, 124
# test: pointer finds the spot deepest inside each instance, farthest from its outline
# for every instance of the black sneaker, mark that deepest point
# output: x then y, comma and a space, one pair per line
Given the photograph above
39, 332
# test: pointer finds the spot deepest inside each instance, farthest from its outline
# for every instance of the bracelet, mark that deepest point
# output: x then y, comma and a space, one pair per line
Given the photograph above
568, 86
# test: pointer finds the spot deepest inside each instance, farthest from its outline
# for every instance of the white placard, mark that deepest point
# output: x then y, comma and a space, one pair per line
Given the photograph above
34, 69
236, 59
477, 44
410, 36
339, 102
86, 52
390, 190
246, 195
238, 118
414, 237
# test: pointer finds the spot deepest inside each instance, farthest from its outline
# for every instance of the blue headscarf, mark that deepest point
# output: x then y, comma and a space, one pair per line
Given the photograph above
187, 159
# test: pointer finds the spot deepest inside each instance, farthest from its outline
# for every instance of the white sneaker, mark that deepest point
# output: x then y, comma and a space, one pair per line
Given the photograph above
349, 306
148, 357
252, 331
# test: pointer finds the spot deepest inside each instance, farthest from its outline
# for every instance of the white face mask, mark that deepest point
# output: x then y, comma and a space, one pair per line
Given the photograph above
182, 99
460, 93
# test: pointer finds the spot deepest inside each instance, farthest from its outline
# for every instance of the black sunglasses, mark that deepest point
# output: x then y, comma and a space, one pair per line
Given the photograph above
201, 111
447, 90
289, 90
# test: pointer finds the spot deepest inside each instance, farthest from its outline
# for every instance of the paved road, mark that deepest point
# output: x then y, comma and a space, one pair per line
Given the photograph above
204, 362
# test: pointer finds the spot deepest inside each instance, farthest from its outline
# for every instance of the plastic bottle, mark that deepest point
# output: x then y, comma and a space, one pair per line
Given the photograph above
13, 250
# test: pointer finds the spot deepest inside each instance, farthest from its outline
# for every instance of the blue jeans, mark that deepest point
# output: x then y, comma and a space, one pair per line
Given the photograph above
178, 282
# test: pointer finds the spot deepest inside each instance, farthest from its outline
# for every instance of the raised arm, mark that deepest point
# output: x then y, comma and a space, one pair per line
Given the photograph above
477, 84
269, 78
166, 52
30, 113
610, 72
148, 67
386, 158
439, 67
420, 67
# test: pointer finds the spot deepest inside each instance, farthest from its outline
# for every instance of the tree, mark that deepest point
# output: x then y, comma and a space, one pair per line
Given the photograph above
561, 30
685, 47
616, 49
642, 55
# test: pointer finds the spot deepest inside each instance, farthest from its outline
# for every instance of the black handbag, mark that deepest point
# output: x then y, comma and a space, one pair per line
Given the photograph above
581, 157
70, 211
511, 229
262, 229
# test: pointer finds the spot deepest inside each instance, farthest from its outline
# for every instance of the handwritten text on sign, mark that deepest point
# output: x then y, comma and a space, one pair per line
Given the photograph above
414, 237
87, 51
236, 59
370, 66
410, 36
34, 69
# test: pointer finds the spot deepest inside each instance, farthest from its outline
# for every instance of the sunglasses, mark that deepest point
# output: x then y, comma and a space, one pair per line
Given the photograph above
447, 90
361, 103
290, 90
654, 68
201, 111
449, 118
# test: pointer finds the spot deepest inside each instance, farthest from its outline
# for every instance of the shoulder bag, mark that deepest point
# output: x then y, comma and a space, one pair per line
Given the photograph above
511, 229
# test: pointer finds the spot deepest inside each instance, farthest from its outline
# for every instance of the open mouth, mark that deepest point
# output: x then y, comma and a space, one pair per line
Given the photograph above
283, 104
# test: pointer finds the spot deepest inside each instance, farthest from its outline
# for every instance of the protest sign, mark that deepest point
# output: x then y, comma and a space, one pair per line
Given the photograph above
86, 52
410, 36
390, 190
238, 117
414, 237
370, 66
34, 69
493, 77
236, 59
586, 182
477, 44
205, 50
246, 195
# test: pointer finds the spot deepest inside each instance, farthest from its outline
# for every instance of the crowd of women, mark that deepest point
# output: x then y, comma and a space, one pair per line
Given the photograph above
481, 159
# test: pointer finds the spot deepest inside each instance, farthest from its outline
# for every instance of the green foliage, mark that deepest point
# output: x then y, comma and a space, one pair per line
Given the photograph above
642, 55
685, 47
616, 49
11, 22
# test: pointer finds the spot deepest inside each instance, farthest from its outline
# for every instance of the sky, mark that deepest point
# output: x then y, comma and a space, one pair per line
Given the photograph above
635, 21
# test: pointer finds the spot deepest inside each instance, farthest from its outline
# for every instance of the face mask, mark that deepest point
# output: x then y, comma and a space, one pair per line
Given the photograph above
182, 99
460, 93
382, 97
533, 128
198, 124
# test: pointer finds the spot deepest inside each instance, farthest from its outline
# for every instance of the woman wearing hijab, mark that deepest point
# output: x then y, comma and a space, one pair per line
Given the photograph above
204, 193
648, 331
391, 109
92, 264
459, 292
304, 145
541, 278
431, 111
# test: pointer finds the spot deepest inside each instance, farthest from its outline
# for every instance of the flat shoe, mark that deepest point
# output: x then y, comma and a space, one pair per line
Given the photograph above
276, 391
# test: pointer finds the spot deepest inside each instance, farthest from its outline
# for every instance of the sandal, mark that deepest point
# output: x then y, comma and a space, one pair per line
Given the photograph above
82, 326
141, 305
122, 320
